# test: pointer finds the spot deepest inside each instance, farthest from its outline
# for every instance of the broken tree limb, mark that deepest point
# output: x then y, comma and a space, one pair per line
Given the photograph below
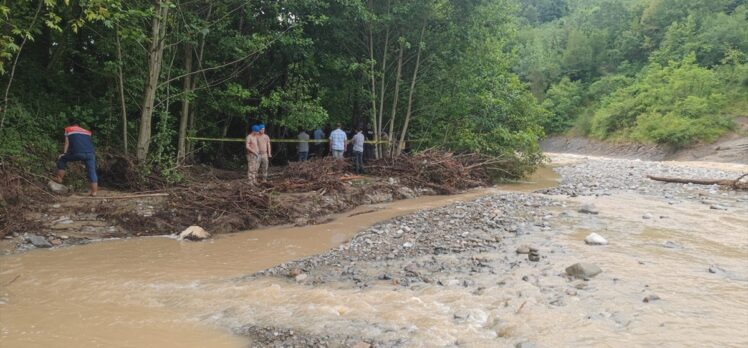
124, 196
735, 184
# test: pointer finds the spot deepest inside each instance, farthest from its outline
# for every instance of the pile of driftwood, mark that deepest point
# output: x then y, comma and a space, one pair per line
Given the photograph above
737, 184
442, 171
320, 174
220, 206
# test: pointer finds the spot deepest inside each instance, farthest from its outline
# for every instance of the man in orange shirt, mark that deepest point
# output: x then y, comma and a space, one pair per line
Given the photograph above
252, 147
78, 147
265, 152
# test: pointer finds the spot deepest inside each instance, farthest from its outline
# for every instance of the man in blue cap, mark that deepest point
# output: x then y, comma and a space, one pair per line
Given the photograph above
252, 147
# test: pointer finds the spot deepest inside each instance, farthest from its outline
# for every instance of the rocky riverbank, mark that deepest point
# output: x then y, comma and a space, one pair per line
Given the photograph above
496, 270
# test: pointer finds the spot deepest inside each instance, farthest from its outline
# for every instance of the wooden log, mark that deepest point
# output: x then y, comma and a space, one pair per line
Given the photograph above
124, 196
736, 184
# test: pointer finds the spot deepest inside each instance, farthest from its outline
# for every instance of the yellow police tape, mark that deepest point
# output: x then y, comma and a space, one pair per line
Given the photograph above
311, 141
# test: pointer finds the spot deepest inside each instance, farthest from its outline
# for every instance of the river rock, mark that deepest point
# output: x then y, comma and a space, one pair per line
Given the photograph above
589, 209
595, 239
523, 249
717, 207
525, 345
38, 241
56, 187
583, 270
647, 216
194, 233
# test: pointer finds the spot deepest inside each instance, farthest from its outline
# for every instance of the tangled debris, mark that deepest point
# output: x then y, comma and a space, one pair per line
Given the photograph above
221, 201
18, 192
442, 171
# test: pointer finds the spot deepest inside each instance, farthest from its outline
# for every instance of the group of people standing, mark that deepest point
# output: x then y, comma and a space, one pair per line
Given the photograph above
78, 146
259, 150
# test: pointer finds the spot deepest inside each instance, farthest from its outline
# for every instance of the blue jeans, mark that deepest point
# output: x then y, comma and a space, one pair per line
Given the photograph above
303, 156
358, 161
89, 158
337, 154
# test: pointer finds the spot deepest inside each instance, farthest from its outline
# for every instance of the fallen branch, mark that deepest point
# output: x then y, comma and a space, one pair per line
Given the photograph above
735, 184
124, 196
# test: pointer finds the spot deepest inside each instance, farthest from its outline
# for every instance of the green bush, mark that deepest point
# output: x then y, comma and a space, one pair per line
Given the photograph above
563, 101
677, 131
664, 103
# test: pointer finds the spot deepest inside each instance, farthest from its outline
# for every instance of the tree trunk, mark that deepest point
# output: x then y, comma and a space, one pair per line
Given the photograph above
378, 146
155, 56
186, 85
121, 83
193, 106
395, 97
373, 95
4, 108
401, 144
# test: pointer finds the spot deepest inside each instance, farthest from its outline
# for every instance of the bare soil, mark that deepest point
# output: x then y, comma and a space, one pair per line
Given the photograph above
731, 148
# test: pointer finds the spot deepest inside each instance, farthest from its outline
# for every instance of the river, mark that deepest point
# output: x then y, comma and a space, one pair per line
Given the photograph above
160, 292
126, 293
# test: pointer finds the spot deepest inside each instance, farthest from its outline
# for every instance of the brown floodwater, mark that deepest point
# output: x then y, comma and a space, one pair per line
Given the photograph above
160, 292
156, 291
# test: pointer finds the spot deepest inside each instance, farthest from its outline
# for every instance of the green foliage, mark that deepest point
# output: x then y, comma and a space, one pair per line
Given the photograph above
295, 108
647, 70
675, 97
564, 101
289, 63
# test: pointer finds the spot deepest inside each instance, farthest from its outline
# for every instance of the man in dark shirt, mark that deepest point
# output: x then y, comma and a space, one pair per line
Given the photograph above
78, 147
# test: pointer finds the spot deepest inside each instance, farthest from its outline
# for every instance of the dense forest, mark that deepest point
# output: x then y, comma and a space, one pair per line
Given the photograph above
145, 75
489, 76
663, 71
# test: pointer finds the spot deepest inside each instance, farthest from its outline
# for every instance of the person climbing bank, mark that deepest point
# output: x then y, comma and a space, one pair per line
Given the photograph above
78, 147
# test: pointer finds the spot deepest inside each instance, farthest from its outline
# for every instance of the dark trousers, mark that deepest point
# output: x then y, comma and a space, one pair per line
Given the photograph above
358, 161
89, 158
303, 156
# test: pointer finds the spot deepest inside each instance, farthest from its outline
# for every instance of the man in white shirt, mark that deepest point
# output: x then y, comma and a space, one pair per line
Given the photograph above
338, 141
358, 151
303, 146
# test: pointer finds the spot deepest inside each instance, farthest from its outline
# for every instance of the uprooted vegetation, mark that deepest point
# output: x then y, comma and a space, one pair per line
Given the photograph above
222, 201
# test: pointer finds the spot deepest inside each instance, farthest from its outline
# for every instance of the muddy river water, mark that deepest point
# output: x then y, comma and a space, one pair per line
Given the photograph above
159, 292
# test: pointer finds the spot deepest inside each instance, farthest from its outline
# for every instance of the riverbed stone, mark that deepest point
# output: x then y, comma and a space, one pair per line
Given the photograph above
595, 239
38, 241
717, 207
651, 298
194, 233
589, 209
583, 270
57, 187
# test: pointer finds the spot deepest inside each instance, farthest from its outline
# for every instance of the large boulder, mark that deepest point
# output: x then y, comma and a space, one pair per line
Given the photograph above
194, 233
